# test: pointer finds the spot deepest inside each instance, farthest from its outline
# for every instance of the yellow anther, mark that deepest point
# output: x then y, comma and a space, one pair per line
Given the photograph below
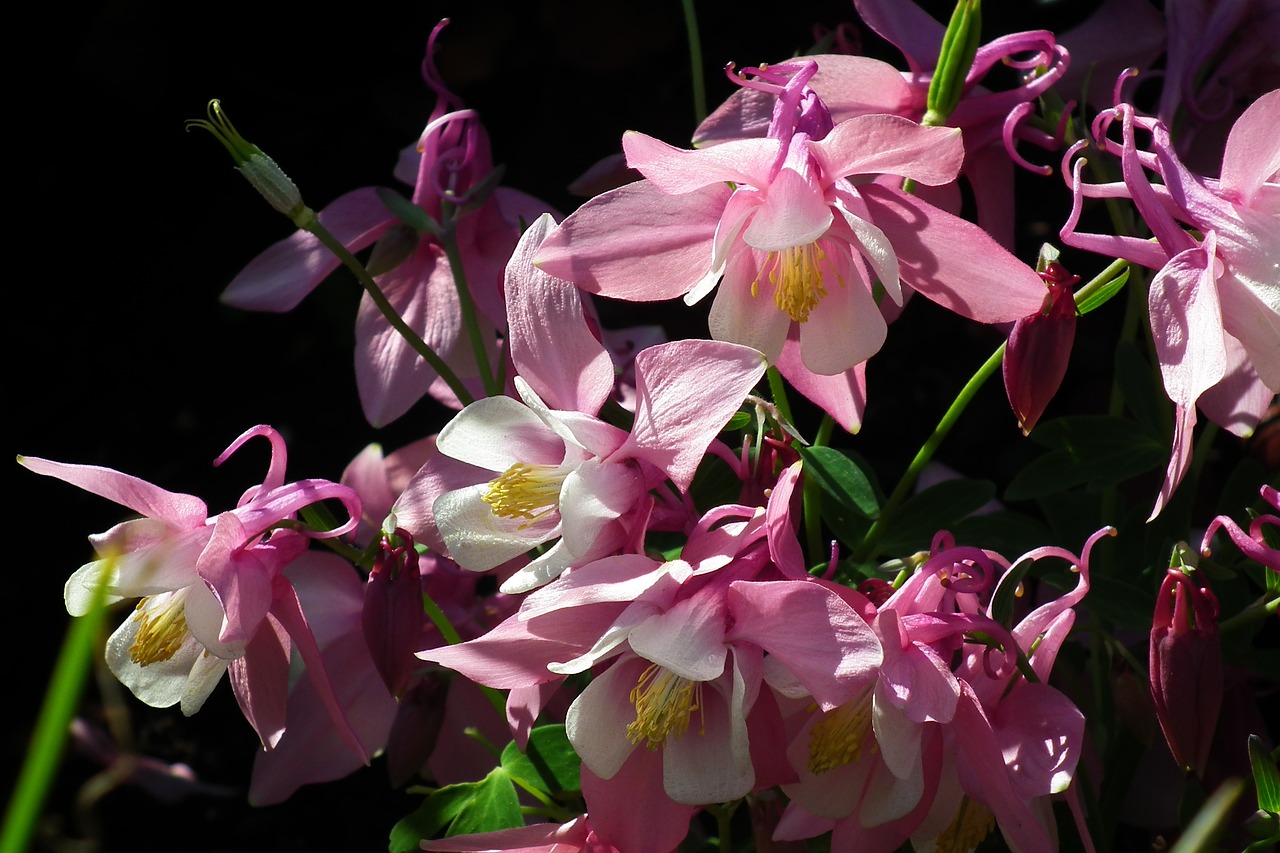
163, 629
972, 823
838, 738
525, 491
664, 702
796, 274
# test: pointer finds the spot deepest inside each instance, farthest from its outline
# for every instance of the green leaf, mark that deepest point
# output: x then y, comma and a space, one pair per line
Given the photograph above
1090, 450
1140, 386
1007, 593
467, 807
1103, 294
936, 508
1266, 776
493, 805
1202, 833
841, 478
549, 764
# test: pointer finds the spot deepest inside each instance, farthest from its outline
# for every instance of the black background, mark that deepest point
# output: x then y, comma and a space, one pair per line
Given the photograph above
126, 228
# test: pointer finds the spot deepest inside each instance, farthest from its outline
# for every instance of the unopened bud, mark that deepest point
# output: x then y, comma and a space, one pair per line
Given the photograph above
261, 171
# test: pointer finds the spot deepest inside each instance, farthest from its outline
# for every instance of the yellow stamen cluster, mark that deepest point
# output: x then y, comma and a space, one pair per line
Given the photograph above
796, 274
163, 630
973, 822
524, 491
664, 702
838, 738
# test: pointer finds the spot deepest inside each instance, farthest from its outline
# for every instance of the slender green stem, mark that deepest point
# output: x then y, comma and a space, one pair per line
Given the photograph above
908, 481
468, 305
695, 62
1256, 612
778, 391
60, 702
312, 224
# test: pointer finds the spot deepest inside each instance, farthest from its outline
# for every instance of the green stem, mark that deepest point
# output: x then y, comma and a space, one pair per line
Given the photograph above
468, 305
695, 62
308, 221
1254, 613
52, 726
926, 452
812, 497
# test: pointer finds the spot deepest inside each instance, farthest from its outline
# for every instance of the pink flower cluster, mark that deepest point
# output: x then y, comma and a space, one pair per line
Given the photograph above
553, 555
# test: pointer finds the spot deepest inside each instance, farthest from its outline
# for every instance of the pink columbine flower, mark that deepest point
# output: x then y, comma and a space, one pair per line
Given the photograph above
449, 164
1215, 300
544, 468
1039, 348
1186, 667
214, 593
792, 233
1252, 544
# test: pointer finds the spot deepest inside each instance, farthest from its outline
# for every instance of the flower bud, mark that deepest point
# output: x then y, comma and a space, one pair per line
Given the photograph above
393, 614
1186, 667
1039, 348
260, 170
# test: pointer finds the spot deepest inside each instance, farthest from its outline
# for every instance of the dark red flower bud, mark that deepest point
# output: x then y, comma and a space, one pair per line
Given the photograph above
1039, 347
1186, 668
393, 614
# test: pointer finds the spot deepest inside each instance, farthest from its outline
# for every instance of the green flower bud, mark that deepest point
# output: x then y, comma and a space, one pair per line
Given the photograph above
261, 171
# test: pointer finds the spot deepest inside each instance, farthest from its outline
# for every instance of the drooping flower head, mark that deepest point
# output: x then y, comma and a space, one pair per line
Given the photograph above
213, 589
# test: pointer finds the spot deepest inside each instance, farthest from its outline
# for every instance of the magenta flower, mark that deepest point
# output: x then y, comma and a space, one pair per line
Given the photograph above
214, 594
1186, 667
448, 165
1252, 544
1215, 301
794, 240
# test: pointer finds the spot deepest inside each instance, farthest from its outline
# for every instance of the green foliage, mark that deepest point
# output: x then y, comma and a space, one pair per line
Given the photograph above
548, 770
939, 507
1095, 451
841, 479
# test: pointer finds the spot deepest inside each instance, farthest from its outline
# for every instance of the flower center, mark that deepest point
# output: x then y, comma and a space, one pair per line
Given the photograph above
837, 738
796, 274
525, 491
163, 629
664, 702
972, 823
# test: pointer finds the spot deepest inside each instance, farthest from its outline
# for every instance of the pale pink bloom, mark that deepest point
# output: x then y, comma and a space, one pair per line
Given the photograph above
214, 593
792, 235
1215, 301
449, 163
548, 468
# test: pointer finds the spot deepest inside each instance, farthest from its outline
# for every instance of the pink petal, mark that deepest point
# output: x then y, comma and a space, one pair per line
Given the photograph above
686, 391
886, 144
953, 262
1252, 154
835, 663
182, 511
279, 278
678, 170
552, 346
741, 317
843, 396
637, 242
